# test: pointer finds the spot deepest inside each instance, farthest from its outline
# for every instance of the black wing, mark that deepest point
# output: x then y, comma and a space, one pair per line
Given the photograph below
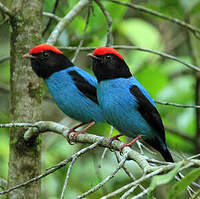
84, 86
148, 112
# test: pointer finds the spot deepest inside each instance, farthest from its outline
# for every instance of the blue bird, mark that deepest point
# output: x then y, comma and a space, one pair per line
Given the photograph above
125, 103
73, 89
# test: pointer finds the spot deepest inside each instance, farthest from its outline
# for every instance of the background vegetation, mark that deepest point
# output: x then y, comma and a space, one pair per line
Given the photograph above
165, 79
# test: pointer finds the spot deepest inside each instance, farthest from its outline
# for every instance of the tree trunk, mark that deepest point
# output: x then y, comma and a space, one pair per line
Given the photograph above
24, 159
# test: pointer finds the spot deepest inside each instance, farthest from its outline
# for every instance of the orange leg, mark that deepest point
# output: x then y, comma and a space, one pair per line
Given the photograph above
114, 138
73, 130
84, 130
130, 143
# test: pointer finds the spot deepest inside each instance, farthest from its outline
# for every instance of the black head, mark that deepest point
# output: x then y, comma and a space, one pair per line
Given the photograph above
109, 64
46, 59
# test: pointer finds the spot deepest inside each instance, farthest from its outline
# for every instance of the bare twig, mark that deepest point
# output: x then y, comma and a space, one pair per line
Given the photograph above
140, 195
67, 177
6, 19
53, 16
129, 174
52, 169
109, 41
165, 55
98, 186
50, 20
128, 186
191, 66
66, 20
193, 29
46, 126
4, 59
5, 10
126, 194
100, 141
43, 126
84, 33
177, 105
11, 125
105, 150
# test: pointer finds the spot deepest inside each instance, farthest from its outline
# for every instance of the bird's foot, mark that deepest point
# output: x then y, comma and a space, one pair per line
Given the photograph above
129, 144
112, 139
73, 130
83, 131
77, 133
68, 134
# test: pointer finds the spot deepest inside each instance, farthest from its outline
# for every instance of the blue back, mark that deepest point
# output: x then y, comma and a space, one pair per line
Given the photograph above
70, 100
120, 106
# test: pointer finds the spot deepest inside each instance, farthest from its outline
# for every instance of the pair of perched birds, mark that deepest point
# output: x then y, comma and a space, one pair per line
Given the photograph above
115, 96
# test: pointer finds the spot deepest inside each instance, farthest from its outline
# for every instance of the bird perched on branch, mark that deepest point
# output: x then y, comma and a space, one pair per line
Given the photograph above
125, 103
73, 89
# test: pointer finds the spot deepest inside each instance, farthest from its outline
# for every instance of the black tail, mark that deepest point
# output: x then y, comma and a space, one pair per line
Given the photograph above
161, 147
166, 155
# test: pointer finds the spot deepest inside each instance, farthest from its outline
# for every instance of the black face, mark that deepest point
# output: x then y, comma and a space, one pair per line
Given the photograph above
110, 66
47, 62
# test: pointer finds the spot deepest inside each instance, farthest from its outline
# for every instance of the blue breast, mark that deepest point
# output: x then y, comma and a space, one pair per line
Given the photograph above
119, 106
70, 100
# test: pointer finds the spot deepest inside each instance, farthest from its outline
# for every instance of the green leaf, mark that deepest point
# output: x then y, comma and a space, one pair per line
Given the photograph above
141, 33
164, 179
183, 184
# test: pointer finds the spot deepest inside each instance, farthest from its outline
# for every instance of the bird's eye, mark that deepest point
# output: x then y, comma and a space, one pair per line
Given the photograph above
108, 57
45, 54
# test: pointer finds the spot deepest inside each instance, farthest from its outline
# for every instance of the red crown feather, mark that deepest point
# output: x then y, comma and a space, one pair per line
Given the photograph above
107, 50
42, 47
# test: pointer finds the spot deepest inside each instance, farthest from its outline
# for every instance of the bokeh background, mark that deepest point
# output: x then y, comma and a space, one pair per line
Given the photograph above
166, 80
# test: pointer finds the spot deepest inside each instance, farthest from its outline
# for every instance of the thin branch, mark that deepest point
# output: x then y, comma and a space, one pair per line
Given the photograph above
191, 66
6, 19
126, 194
106, 149
100, 141
53, 16
3, 183
140, 195
109, 23
177, 105
165, 55
50, 20
127, 172
11, 125
52, 169
130, 185
84, 33
5, 10
98, 186
67, 177
4, 59
46, 126
66, 20
193, 29
43, 126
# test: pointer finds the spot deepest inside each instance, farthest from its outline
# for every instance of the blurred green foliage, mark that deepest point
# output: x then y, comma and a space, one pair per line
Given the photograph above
166, 80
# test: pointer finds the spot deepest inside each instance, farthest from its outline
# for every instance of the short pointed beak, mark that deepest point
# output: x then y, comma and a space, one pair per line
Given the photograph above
93, 56
28, 56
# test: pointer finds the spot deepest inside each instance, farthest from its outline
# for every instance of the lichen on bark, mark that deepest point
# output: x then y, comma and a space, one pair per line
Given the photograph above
25, 97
